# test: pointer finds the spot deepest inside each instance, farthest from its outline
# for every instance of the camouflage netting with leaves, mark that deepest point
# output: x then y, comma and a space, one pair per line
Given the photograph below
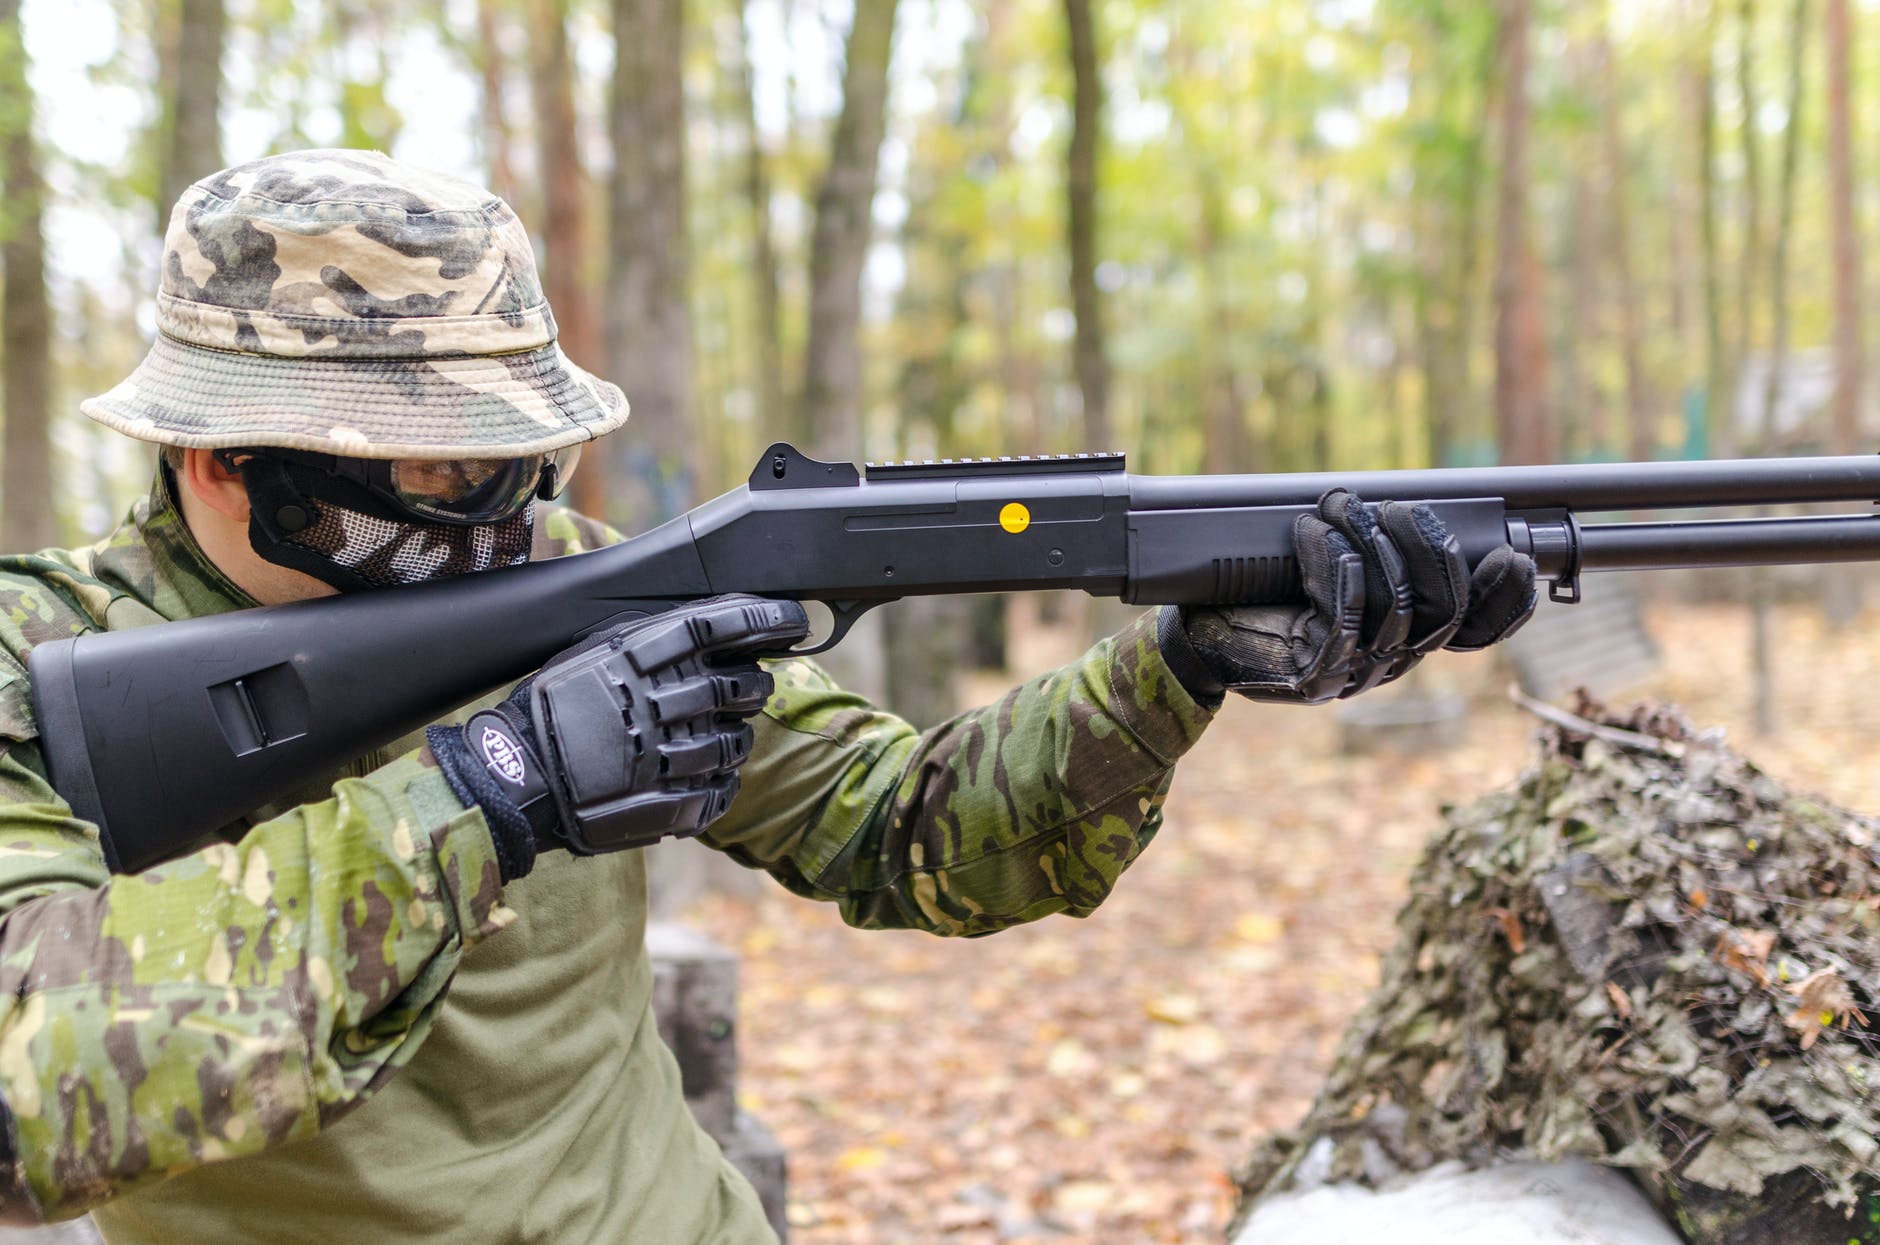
1648, 953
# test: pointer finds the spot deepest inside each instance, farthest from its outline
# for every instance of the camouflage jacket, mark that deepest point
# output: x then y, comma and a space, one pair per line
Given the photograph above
305, 1025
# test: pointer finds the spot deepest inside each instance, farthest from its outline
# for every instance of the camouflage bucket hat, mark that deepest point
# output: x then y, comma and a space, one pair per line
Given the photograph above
341, 302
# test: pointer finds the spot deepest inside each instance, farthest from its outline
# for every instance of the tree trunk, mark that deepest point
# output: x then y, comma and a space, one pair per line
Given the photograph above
1446, 296
1845, 433
564, 231
1224, 421
498, 142
1433, 318
1702, 85
1684, 206
831, 402
1751, 259
1469, 261
1841, 596
1639, 423
772, 412
360, 31
930, 639
1093, 368
1763, 642
1520, 345
193, 138
1582, 403
829, 408
27, 517
649, 322
1017, 371
1785, 219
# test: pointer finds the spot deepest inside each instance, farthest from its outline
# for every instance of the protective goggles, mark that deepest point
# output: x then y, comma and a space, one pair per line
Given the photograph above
465, 491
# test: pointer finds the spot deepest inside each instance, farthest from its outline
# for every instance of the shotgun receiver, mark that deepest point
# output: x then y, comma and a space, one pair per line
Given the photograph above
165, 734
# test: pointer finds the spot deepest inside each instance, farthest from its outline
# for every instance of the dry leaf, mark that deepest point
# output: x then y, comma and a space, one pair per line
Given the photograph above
958, 1215
1510, 928
1127, 1084
1259, 928
1621, 1001
1747, 952
1076, 1127
883, 1000
1079, 1197
861, 1158
1173, 1009
1825, 1000
1070, 1058
1193, 1044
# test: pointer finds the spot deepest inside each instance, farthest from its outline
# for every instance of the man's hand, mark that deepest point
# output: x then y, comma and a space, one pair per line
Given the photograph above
1384, 591
633, 735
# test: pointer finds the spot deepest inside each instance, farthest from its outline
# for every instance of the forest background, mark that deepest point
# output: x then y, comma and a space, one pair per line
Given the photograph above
1268, 235
1293, 234
1285, 235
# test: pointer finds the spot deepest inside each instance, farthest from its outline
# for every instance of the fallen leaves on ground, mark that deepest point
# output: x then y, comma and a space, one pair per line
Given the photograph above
1094, 1082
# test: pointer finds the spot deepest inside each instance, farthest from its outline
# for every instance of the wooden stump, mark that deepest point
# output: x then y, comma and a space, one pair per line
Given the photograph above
695, 1000
1599, 644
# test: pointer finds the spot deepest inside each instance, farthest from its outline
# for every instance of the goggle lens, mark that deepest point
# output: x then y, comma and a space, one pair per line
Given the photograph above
482, 489
453, 490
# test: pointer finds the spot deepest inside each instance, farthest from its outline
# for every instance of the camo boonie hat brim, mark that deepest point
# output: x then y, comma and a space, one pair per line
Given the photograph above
341, 302
491, 406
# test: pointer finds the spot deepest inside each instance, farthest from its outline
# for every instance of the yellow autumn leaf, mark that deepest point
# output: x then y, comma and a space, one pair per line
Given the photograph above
1083, 1196
1259, 928
1075, 1127
1173, 1009
1069, 1058
861, 1158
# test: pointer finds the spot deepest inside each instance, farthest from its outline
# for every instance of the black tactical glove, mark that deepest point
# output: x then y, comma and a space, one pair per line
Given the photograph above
1386, 587
632, 735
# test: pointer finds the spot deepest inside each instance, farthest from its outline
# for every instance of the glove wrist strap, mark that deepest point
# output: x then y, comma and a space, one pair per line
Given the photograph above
511, 830
502, 746
1189, 667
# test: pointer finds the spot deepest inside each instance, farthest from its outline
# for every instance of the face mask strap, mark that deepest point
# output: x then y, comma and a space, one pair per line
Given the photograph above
277, 509
557, 471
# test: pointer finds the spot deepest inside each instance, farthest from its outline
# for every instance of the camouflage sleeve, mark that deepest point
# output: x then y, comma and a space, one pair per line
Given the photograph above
1030, 806
240, 997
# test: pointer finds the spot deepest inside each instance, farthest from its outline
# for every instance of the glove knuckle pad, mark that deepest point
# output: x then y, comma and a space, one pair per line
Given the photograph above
644, 733
741, 690
740, 622
684, 700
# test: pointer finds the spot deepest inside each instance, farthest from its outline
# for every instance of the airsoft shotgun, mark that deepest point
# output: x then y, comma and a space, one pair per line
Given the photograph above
163, 735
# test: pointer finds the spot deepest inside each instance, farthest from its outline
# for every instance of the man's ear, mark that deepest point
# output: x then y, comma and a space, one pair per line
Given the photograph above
214, 485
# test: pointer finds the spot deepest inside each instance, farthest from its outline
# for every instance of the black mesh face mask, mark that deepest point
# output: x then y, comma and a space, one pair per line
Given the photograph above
342, 534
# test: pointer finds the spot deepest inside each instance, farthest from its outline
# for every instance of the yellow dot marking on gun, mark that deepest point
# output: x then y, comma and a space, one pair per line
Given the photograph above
1015, 518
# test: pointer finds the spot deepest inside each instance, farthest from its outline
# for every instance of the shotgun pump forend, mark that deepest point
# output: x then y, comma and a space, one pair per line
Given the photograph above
165, 735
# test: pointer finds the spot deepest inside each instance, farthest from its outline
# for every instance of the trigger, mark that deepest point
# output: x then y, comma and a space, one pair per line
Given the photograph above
829, 621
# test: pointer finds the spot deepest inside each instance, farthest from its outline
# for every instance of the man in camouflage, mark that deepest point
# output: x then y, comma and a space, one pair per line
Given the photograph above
360, 1015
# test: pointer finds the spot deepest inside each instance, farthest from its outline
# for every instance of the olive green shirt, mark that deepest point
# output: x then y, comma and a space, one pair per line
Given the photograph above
339, 1026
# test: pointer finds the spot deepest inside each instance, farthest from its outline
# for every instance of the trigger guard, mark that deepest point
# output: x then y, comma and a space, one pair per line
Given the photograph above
842, 616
